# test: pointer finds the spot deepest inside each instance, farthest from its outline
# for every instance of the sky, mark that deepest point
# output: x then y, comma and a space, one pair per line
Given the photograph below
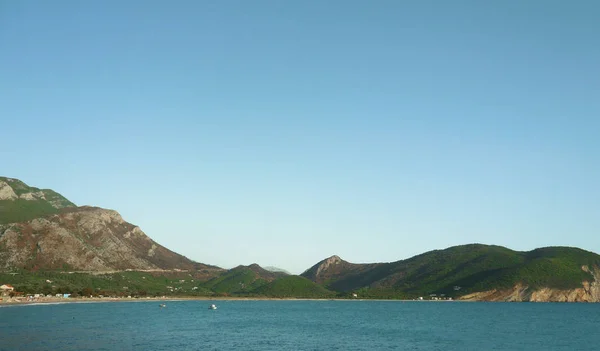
284, 132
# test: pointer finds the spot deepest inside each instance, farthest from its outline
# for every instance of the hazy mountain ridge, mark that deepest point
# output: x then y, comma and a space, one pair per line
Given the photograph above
277, 270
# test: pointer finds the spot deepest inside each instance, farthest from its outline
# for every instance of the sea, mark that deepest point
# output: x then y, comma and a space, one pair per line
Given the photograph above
300, 325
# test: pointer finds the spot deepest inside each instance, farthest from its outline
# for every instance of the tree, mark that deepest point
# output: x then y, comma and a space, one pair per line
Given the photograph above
47, 290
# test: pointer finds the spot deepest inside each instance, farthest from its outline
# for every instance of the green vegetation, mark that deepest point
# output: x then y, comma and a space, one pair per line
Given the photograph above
56, 198
471, 268
160, 284
114, 284
237, 280
20, 210
294, 286
18, 186
555, 267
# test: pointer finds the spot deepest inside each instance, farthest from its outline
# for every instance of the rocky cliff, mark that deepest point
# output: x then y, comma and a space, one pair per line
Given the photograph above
84, 239
588, 292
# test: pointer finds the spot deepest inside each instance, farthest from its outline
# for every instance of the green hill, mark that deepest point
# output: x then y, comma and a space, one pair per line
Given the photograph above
240, 280
554, 267
20, 202
293, 286
462, 269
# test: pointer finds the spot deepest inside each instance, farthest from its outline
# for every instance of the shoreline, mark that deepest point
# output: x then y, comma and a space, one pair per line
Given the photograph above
60, 300
69, 300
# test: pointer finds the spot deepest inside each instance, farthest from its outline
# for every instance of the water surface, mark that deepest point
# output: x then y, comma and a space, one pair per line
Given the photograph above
301, 325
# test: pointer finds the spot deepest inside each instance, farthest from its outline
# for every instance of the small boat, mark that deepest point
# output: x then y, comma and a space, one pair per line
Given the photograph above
212, 307
162, 305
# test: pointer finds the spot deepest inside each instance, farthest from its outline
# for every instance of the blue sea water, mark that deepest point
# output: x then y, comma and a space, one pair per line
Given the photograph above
301, 325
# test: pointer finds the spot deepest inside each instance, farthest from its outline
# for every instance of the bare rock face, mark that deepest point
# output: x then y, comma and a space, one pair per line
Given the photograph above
84, 239
589, 292
592, 289
41, 229
326, 269
32, 196
328, 263
7, 192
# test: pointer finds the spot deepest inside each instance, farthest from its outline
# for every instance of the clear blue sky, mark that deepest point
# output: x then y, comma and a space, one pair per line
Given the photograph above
283, 132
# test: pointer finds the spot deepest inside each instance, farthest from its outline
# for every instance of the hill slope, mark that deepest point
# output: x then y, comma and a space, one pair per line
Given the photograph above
84, 239
20, 202
332, 269
41, 229
462, 270
241, 279
293, 286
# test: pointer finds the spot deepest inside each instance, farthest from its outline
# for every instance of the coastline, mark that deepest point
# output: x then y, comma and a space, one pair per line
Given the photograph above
69, 300
59, 300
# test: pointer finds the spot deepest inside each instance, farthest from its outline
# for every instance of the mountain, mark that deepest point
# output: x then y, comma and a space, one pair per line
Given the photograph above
41, 229
489, 272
